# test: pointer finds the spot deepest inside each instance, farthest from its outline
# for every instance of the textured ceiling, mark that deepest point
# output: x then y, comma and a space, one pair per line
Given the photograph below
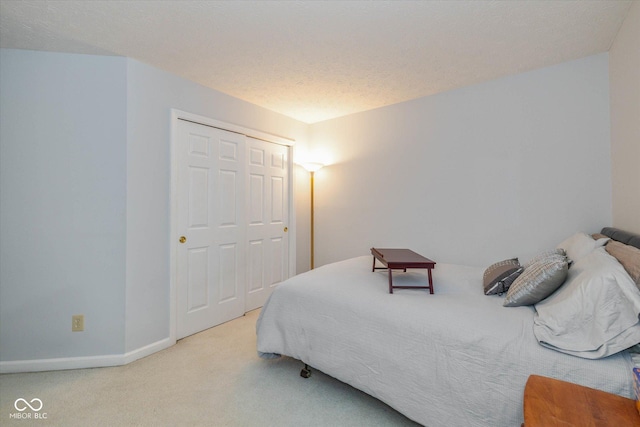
318, 60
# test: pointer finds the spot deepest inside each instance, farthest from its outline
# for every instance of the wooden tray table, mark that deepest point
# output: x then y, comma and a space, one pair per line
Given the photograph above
401, 259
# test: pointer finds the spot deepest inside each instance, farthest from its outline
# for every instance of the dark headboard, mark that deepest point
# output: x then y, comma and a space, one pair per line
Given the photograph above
622, 236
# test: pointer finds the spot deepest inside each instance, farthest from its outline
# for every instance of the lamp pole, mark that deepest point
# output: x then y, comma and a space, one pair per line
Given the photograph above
312, 220
312, 168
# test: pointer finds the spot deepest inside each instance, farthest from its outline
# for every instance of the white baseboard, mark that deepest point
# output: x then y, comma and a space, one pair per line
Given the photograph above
64, 363
147, 350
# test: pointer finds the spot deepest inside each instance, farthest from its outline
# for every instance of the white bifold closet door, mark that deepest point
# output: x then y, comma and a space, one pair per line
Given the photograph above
232, 199
268, 216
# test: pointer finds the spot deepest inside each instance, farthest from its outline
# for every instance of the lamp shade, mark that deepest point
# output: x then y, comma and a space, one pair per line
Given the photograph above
312, 167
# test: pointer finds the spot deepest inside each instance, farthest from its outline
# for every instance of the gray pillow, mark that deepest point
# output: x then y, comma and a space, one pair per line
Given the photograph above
499, 276
545, 255
538, 281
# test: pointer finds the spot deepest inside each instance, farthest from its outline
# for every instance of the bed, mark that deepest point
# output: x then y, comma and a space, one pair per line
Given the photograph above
458, 357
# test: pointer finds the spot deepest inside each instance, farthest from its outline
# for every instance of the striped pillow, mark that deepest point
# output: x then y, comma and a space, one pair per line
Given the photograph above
498, 277
538, 281
544, 255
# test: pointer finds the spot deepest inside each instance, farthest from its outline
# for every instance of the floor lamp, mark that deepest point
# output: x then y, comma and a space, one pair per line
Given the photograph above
312, 168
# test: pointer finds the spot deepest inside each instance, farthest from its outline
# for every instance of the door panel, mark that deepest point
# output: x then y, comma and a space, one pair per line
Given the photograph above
256, 266
278, 261
256, 195
210, 284
199, 197
277, 200
198, 268
228, 273
227, 203
267, 202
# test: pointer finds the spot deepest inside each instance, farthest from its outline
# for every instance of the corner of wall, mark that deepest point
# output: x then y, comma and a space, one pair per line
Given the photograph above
624, 84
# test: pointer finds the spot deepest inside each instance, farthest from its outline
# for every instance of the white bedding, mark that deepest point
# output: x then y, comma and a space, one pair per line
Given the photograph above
455, 358
596, 311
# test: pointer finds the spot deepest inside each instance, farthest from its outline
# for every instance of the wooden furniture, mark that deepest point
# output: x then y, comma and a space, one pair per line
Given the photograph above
549, 402
401, 259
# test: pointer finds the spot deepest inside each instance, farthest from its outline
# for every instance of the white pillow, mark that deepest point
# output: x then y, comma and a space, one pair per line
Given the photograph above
595, 313
581, 244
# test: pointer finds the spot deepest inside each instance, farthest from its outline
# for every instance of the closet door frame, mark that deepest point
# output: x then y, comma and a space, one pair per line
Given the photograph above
173, 237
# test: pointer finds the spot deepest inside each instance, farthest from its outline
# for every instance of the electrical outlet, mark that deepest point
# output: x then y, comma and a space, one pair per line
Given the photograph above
77, 323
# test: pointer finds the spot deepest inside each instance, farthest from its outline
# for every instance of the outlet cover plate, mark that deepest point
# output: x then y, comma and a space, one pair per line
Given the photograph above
77, 323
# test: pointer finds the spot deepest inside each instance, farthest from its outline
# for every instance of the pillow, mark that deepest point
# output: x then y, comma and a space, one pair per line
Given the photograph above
544, 255
580, 245
628, 256
595, 314
498, 277
598, 236
538, 281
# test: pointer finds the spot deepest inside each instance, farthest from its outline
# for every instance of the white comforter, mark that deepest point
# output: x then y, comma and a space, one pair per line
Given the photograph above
455, 358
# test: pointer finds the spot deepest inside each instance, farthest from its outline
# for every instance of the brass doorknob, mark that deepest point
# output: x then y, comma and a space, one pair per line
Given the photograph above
183, 239
286, 229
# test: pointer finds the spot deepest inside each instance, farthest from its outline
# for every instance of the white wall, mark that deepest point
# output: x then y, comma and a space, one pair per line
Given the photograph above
500, 169
151, 93
63, 204
624, 75
85, 186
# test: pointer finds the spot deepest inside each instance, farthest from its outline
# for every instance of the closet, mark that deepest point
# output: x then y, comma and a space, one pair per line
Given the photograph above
232, 218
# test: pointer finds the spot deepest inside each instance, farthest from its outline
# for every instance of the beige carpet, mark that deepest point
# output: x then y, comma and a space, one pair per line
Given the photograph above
213, 378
